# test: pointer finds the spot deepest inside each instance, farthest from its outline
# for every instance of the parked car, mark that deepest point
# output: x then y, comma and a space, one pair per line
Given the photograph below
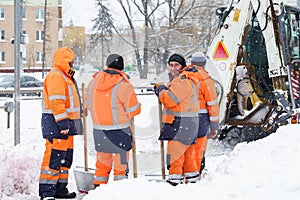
26, 81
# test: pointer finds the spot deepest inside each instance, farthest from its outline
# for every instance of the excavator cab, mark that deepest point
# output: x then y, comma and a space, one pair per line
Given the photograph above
291, 28
288, 22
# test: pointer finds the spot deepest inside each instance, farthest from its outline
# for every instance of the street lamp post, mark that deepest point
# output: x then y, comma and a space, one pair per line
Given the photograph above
44, 40
17, 64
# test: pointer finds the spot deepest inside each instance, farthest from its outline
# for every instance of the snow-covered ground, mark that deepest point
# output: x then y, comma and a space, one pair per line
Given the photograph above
265, 169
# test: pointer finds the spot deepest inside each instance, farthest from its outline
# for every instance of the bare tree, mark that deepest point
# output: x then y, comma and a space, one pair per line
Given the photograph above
204, 17
143, 9
134, 43
177, 10
147, 17
182, 26
30, 56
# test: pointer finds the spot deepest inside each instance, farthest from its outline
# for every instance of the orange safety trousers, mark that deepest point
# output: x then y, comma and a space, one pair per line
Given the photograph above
200, 148
181, 158
104, 166
57, 160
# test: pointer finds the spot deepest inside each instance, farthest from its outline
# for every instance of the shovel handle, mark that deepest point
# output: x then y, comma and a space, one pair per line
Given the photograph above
84, 131
162, 146
133, 148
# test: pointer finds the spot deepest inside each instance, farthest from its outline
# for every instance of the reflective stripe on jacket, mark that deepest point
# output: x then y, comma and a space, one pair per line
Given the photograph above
60, 96
208, 99
112, 100
180, 99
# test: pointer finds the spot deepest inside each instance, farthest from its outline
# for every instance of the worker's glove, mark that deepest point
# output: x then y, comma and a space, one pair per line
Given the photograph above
212, 134
64, 126
64, 132
158, 87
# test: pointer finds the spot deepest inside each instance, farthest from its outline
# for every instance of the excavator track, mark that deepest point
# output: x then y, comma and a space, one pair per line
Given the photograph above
235, 135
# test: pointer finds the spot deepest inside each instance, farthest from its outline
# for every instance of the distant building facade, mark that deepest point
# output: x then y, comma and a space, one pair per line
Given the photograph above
33, 25
74, 37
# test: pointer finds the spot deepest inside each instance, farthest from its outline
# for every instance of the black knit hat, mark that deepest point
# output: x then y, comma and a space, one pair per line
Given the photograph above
177, 58
115, 61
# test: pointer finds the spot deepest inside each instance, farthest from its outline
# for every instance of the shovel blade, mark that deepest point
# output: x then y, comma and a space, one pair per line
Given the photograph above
84, 179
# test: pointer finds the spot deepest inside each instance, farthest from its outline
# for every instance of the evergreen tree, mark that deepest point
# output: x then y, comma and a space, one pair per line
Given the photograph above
103, 30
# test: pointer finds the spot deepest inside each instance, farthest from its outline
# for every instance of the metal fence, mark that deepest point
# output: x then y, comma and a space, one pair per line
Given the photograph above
38, 91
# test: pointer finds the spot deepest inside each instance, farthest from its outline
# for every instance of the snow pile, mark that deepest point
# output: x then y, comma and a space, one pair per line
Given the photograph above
265, 169
19, 172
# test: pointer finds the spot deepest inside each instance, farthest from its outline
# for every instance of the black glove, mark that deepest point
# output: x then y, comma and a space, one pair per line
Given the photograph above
64, 126
158, 88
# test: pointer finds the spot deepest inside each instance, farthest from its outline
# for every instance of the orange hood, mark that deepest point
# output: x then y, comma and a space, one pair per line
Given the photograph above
110, 78
62, 58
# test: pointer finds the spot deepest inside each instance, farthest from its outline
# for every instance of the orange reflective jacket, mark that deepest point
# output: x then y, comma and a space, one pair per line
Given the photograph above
112, 100
207, 95
60, 96
180, 99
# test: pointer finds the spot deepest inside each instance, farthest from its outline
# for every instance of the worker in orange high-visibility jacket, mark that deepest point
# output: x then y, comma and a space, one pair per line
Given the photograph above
60, 114
112, 103
180, 122
209, 106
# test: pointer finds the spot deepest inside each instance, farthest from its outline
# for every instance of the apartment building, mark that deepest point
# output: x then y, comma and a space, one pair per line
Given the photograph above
33, 26
74, 37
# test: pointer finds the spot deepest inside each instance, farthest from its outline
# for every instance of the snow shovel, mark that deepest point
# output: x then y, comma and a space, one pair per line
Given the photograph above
162, 147
133, 148
84, 176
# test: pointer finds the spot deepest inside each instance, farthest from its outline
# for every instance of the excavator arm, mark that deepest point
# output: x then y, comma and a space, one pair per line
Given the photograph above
253, 60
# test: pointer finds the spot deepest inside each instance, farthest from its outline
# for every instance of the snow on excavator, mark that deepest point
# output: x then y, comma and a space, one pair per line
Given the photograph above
255, 56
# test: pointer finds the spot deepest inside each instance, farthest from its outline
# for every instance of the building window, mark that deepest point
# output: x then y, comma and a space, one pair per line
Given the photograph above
23, 56
2, 13
39, 15
39, 36
60, 12
23, 13
2, 35
2, 56
39, 56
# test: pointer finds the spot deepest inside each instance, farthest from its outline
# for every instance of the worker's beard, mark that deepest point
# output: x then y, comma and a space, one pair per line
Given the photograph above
174, 73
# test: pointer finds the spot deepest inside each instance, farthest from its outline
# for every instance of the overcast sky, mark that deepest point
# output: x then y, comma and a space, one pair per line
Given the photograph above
79, 12
82, 12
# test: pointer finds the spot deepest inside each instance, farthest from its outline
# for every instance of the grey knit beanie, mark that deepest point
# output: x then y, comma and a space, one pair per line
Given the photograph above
198, 59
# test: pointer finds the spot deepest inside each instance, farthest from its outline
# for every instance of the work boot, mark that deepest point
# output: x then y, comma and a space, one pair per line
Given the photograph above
69, 195
175, 181
47, 198
191, 177
94, 186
